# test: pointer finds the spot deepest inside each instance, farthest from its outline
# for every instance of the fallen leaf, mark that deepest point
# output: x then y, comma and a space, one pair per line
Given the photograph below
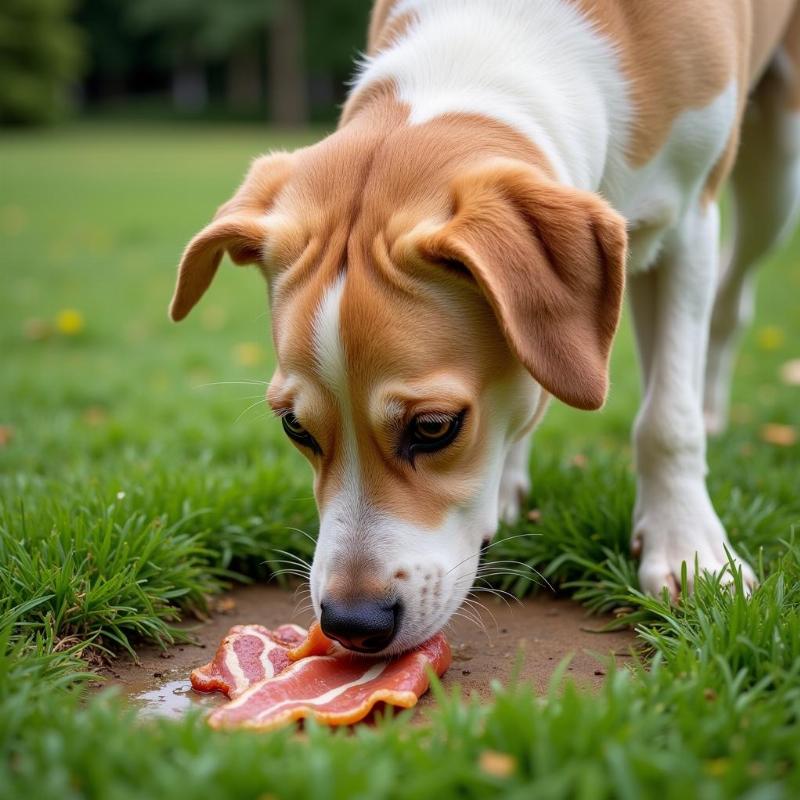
224, 605
36, 329
6, 435
94, 416
499, 765
70, 322
790, 372
780, 435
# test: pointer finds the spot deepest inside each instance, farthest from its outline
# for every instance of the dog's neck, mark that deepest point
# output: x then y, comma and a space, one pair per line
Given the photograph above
539, 68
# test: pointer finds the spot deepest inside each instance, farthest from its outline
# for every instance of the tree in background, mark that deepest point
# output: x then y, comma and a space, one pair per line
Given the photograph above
287, 60
282, 40
335, 33
40, 60
195, 32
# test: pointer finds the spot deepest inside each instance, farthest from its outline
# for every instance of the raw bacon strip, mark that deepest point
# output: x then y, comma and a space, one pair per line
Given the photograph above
248, 654
316, 643
335, 689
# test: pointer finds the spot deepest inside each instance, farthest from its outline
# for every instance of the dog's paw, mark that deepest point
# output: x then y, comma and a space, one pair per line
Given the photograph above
667, 535
514, 488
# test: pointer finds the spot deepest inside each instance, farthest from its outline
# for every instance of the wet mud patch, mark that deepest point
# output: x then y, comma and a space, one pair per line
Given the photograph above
528, 639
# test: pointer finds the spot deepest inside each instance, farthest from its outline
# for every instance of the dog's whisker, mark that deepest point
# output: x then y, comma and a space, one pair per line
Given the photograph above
294, 572
232, 383
480, 608
501, 593
496, 573
485, 548
304, 533
290, 569
251, 406
293, 556
289, 562
509, 575
492, 564
472, 621
468, 576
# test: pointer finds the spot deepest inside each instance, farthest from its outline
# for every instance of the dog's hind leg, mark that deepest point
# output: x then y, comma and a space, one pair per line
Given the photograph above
766, 199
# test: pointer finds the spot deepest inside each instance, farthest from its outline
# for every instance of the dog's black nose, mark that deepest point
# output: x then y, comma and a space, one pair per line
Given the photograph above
366, 626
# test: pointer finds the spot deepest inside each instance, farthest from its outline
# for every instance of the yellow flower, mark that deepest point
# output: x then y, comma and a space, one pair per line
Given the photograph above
248, 354
69, 322
770, 337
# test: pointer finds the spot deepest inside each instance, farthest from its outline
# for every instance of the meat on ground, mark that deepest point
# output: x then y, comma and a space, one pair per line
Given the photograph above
326, 683
248, 654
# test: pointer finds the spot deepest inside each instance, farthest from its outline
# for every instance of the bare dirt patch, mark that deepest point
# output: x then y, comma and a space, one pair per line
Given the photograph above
543, 630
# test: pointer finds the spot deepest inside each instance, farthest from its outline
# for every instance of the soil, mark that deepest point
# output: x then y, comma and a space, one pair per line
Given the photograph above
529, 639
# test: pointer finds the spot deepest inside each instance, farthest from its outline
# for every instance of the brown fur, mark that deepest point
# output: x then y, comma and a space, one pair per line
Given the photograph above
680, 56
237, 228
551, 261
791, 49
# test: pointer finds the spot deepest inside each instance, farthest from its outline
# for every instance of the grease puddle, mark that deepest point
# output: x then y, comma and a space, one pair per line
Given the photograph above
171, 700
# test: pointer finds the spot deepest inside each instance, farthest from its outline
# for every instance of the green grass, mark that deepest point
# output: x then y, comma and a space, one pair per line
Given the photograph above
135, 484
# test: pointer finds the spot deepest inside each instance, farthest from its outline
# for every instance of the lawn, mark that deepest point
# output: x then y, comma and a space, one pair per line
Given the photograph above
139, 474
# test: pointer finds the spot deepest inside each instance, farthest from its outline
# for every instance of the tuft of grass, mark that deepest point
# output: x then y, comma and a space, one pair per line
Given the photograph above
684, 725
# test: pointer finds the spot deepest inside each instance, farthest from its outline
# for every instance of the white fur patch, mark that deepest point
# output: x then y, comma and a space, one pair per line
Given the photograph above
328, 346
655, 197
539, 67
332, 368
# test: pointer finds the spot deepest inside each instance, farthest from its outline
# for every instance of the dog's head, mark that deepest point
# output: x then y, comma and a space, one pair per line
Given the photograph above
426, 300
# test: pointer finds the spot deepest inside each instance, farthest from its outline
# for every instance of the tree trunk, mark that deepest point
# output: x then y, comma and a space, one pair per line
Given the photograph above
287, 74
244, 79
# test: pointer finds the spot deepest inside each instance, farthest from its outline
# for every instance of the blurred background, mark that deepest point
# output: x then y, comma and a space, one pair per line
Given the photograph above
284, 61
124, 124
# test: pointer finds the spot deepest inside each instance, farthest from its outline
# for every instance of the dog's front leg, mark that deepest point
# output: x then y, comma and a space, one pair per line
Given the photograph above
674, 520
515, 482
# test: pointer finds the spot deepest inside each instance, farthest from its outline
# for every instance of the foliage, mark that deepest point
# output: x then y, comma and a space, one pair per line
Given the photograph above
40, 59
205, 28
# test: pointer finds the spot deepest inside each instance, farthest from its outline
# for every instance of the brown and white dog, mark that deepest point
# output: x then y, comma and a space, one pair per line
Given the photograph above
455, 253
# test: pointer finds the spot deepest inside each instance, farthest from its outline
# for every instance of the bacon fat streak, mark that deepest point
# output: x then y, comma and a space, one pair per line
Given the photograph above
338, 688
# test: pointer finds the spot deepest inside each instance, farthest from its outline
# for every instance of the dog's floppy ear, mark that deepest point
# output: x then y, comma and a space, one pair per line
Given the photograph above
551, 261
238, 227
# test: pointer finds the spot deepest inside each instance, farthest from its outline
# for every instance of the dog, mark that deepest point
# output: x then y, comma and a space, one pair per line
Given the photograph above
455, 255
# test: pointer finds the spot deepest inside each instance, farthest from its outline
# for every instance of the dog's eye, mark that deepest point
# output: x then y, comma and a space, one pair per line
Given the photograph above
428, 433
294, 430
432, 430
